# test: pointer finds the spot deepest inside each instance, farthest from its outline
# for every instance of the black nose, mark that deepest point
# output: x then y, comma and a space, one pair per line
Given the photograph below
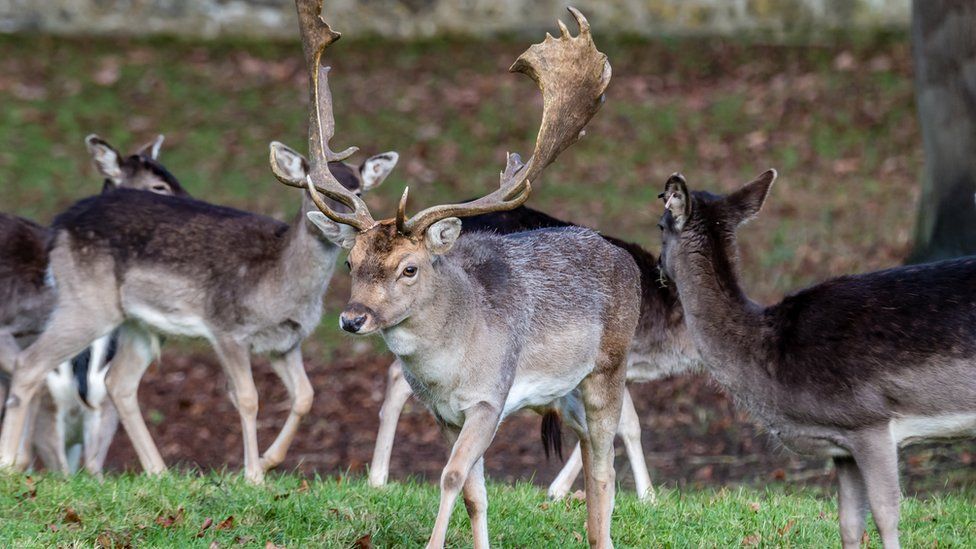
352, 324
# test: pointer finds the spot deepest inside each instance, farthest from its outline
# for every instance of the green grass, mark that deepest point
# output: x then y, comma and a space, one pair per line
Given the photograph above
843, 135
171, 511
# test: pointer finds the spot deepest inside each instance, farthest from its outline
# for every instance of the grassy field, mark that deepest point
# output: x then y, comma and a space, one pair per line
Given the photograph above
836, 120
223, 511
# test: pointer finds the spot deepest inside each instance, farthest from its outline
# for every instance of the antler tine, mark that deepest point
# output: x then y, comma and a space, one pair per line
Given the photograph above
316, 36
573, 76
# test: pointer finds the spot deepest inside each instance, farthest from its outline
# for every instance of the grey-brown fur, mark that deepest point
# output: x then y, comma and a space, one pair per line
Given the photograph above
850, 368
496, 323
660, 347
27, 297
151, 265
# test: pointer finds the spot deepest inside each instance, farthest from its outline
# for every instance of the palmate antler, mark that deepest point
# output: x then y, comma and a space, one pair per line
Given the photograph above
573, 76
316, 36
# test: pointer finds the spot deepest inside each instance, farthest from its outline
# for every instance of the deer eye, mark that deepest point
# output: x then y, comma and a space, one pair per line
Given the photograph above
348, 266
160, 188
409, 271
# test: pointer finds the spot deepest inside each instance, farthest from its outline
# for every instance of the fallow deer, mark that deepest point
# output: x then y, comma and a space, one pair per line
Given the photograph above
851, 368
149, 265
485, 324
660, 348
65, 416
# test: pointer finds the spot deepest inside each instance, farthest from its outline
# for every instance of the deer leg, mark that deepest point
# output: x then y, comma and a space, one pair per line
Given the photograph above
630, 431
8, 355
100, 430
476, 502
47, 434
564, 481
8, 352
236, 361
480, 424
70, 329
851, 501
602, 395
397, 393
25, 451
877, 458
292, 372
134, 354
99, 424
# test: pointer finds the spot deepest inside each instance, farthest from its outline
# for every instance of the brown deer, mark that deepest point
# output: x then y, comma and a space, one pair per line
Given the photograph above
661, 347
851, 368
64, 415
485, 324
148, 265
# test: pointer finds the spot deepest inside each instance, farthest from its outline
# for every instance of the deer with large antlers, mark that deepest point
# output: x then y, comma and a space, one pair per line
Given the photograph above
484, 324
661, 347
150, 265
850, 369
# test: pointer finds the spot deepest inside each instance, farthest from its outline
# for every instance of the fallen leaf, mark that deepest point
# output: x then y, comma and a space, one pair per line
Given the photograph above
787, 527
71, 516
865, 539
544, 506
214, 545
578, 536
226, 524
751, 540
243, 540
107, 72
578, 495
364, 542
31, 486
755, 506
167, 521
271, 545
52, 527
207, 523
303, 487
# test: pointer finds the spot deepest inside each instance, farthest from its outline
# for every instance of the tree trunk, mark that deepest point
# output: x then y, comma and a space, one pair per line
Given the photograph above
944, 52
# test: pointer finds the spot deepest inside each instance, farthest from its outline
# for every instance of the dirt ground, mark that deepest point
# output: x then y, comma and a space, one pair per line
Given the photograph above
693, 434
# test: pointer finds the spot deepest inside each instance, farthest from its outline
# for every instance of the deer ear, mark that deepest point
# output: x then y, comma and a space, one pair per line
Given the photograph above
341, 235
151, 149
375, 169
677, 201
442, 235
745, 203
287, 164
107, 159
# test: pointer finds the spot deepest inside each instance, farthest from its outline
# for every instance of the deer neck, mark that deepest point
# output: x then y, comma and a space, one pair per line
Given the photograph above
308, 259
726, 326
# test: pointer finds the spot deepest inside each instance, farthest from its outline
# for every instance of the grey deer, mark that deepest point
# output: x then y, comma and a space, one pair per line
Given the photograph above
74, 421
149, 265
852, 368
661, 347
485, 324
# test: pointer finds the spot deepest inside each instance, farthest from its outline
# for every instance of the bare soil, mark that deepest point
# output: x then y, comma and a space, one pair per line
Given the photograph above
693, 434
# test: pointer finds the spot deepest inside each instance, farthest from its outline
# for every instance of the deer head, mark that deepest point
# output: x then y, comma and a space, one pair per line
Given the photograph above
140, 170
702, 223
393, 261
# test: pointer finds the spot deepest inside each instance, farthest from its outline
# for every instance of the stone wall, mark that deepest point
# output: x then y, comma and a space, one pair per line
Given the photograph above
412, 18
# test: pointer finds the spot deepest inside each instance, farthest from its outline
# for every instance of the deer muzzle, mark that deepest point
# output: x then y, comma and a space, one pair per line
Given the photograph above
357, 319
